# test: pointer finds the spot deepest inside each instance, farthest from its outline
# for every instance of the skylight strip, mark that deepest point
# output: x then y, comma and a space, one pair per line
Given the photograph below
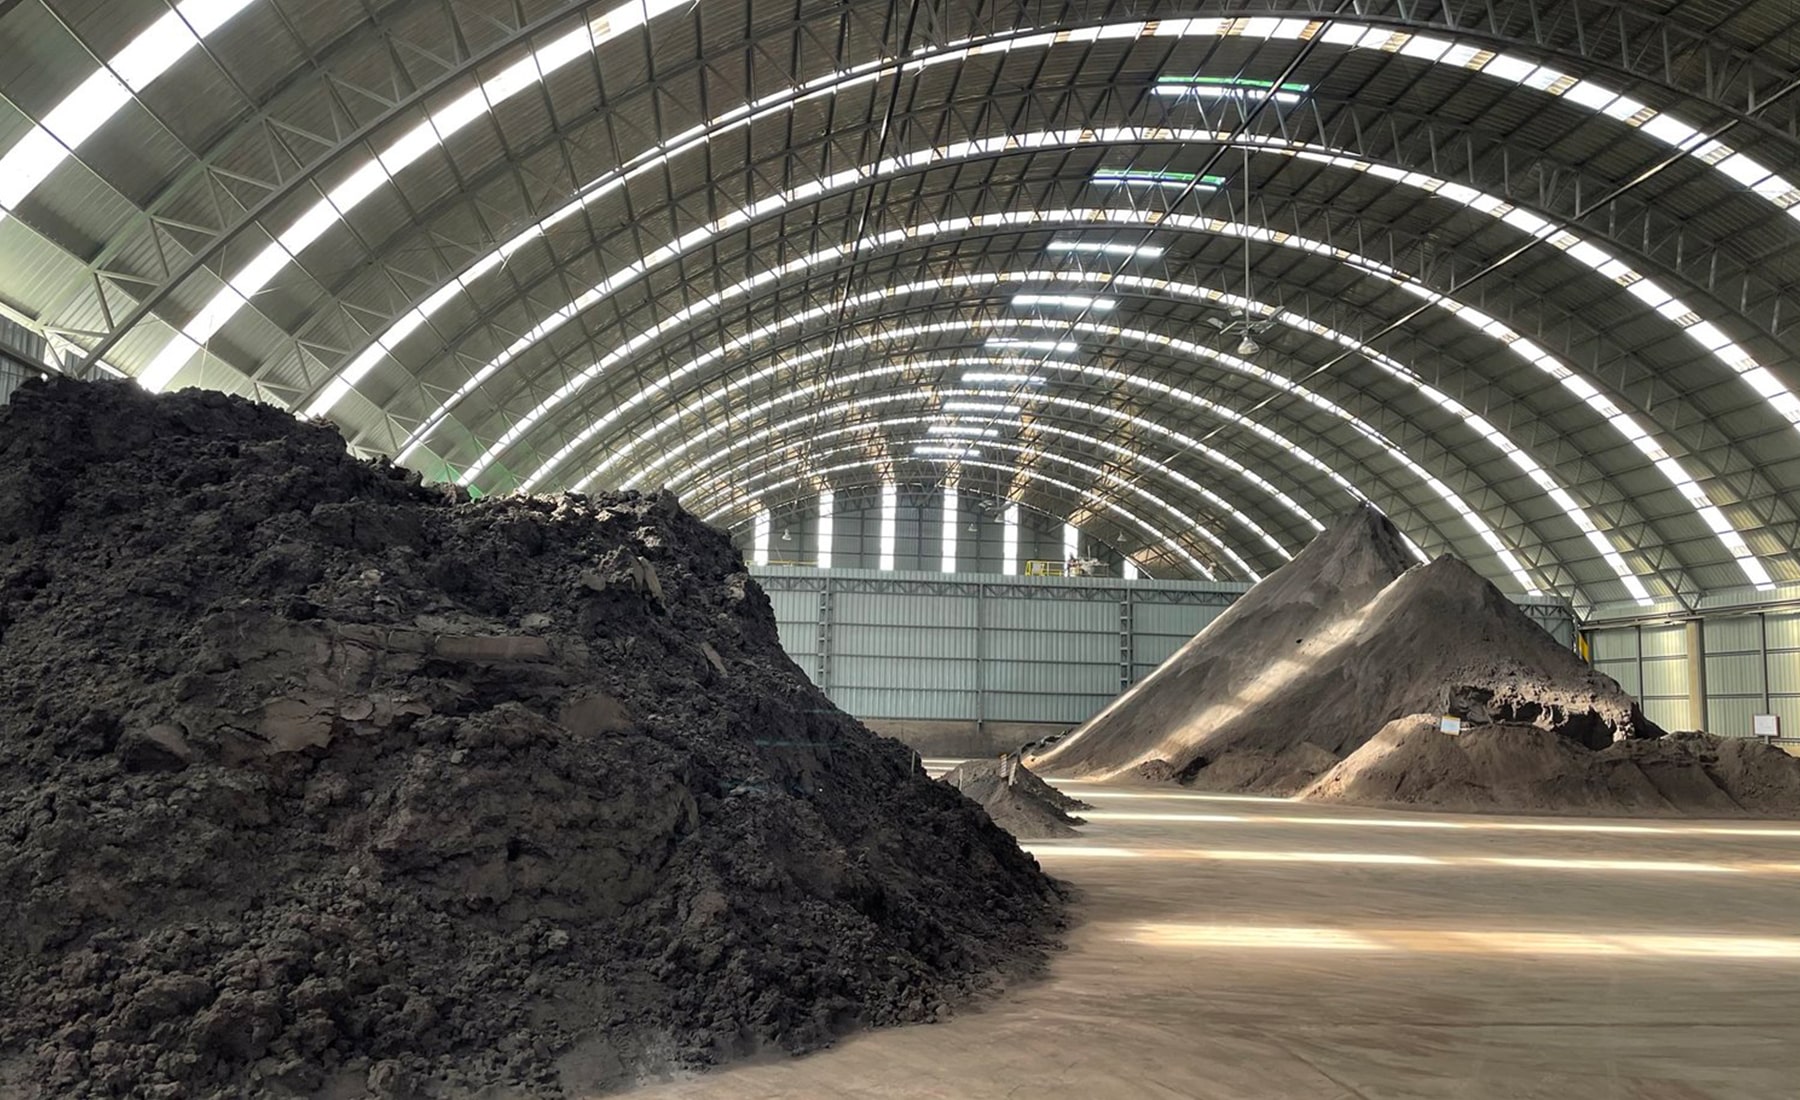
1062, 347
962, 430
439, 126
981, 407
996, 378
99, 97
1064, 301
1171, 91
1106, 248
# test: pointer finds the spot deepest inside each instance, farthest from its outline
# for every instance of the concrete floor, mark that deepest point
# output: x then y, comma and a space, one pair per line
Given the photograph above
1249, 949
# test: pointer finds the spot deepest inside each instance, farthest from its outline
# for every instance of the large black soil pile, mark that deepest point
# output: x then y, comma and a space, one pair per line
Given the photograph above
314, 780
1018, 801
1310, 663
1524, 769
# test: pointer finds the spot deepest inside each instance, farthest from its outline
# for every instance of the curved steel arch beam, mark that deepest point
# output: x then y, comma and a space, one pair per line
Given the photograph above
1180, 439
1511, 451
1652, 295
193, 336
1038, 219
1760, 378
1040, 427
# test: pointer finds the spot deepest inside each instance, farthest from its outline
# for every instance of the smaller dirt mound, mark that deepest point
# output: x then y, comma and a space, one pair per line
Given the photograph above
1509, 768
1017, 800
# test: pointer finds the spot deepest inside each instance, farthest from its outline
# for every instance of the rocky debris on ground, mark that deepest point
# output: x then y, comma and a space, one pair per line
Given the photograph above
1017, 800
315, 780
1510, 768
1314, 660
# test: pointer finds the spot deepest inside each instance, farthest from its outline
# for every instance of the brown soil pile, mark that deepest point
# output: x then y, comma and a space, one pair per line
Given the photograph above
315, 780
1017, 800
1315, 659
1524, 769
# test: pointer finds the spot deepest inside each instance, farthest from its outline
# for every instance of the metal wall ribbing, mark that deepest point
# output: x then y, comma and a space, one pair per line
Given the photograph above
1749, 664
983, 649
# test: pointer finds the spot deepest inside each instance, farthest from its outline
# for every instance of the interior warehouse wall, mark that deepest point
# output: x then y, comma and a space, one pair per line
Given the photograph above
918, 542
966, 664
1714, 673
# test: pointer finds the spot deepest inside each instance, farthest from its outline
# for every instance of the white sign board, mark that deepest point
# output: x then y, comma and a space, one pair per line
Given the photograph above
1765, 725
1449, 723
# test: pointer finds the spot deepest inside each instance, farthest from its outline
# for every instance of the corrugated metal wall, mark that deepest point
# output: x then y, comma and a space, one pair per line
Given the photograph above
982, 649
1751, 666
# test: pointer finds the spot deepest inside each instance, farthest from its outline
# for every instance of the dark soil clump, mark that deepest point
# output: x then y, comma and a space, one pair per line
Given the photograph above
315, 780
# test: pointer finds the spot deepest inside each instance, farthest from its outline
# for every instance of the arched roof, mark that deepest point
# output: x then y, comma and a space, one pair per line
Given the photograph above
1520, 273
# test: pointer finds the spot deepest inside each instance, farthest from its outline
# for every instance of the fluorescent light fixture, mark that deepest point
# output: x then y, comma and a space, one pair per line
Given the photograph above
1064, 347
1158, 177
967, 430
981, 407
938, 449
1107, 248
1065, 301
1230, 87
991, 378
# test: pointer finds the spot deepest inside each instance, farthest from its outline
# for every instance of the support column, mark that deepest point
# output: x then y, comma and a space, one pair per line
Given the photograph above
822, 659
1696, 668
981, 677
1127, 638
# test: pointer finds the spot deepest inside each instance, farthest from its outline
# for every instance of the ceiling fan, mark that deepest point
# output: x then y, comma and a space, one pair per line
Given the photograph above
1244, 326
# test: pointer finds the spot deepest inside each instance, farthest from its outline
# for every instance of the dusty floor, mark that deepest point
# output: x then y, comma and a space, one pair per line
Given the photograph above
1252, 949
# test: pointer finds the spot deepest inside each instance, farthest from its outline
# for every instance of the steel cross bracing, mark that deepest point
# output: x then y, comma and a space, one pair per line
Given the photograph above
564, 265
1449, 151
275, 146
1568, 24
1308, 430
278, 169
1485, 299
1190, 368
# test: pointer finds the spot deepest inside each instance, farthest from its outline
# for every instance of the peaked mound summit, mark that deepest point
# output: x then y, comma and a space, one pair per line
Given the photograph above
1323, 653
318, 781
